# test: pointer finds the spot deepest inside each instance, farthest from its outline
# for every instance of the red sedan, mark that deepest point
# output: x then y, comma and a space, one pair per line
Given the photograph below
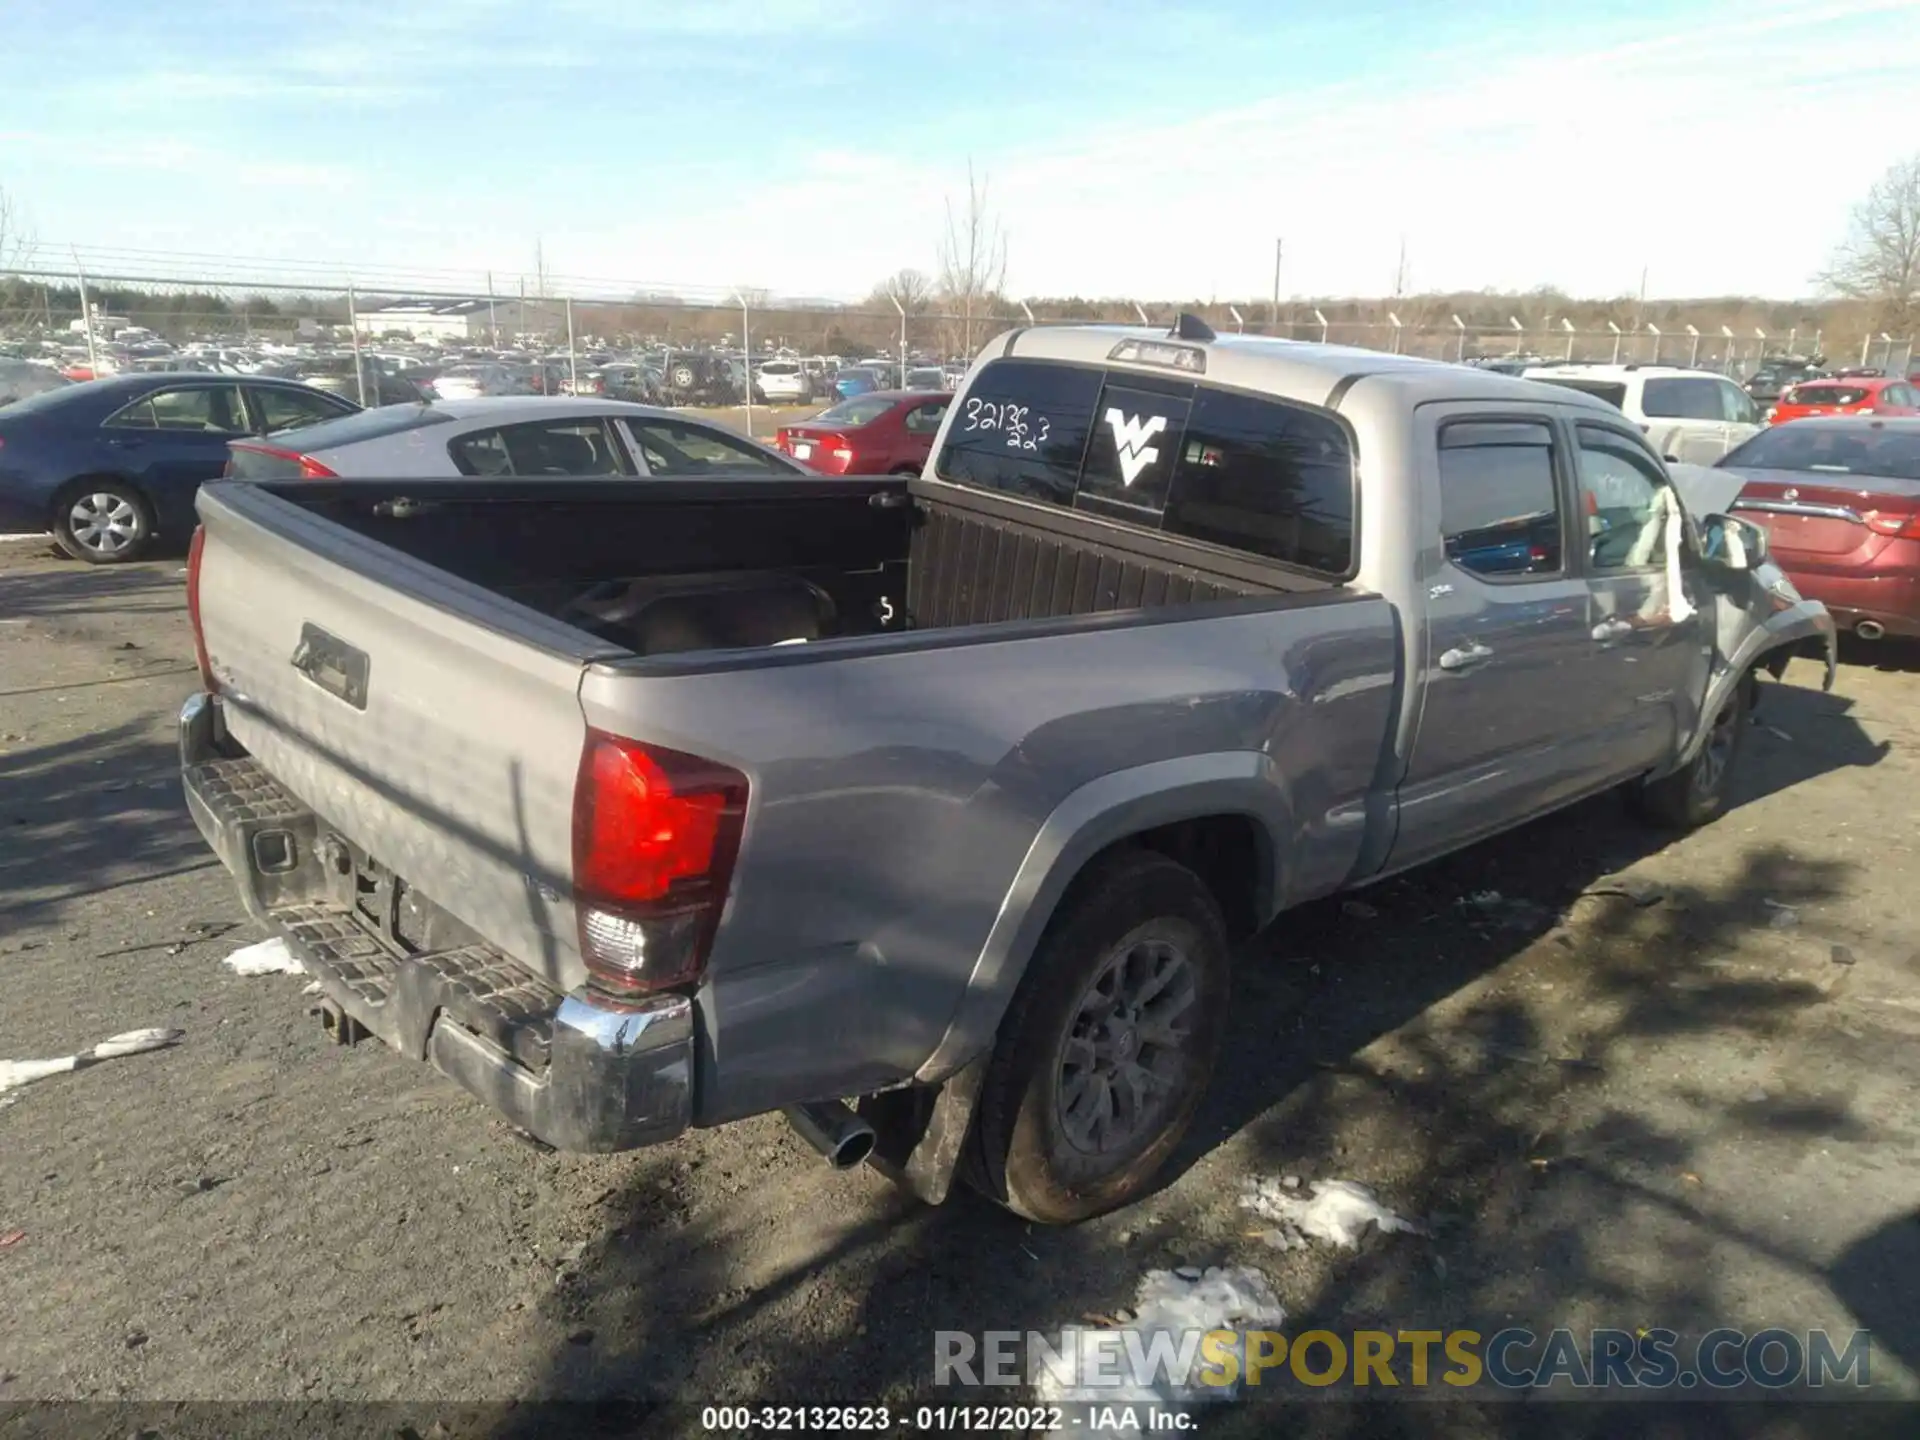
889, 432
1840, 499
1846, 395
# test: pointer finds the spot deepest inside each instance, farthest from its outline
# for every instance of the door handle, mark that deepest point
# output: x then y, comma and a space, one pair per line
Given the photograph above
1612, 630
1465, 657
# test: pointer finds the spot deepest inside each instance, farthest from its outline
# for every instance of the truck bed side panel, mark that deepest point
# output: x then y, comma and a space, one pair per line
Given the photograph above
458, 774
896, 795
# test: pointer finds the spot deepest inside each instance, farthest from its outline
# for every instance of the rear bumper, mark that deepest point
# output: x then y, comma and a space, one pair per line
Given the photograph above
572, 1070
1890, 597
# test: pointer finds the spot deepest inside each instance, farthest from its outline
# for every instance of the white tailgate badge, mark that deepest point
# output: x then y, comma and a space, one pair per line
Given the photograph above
1130, 437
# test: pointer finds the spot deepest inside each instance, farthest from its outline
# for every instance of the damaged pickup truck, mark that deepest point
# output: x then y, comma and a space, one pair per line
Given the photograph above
930, 810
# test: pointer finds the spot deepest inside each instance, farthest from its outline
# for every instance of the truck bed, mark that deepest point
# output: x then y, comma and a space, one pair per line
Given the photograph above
746, 563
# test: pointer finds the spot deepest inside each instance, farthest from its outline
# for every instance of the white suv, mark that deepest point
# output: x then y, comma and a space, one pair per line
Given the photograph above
1690, 415
783, 382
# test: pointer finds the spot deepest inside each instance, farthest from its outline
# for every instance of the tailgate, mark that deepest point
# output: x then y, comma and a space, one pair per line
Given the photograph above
434, 725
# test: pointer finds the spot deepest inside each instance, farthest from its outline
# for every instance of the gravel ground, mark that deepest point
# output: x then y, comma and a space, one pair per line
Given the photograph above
1689, 1106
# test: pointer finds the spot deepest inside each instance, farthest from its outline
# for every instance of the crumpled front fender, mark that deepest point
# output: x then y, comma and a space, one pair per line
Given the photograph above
1794, 627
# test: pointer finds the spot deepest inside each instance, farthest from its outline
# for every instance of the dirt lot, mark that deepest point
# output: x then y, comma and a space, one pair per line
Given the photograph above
1690, 1112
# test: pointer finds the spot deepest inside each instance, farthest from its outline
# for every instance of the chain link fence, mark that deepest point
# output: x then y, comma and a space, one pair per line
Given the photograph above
218, 305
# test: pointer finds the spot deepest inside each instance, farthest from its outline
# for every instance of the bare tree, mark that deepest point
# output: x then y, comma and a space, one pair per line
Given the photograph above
973, 259
911, 289
16, 235
1879, 262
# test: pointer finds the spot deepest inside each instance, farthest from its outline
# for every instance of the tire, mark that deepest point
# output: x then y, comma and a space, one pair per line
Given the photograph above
1053, 1138
103, 522
1690, 797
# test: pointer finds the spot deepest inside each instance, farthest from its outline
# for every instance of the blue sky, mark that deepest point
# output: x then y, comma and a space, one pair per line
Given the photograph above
808, 146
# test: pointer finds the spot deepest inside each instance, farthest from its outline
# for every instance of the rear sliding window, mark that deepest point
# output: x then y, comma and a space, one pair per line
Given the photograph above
1250, 473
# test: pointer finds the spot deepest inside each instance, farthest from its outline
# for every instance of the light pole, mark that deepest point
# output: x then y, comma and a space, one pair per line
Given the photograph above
903, 334
746, 353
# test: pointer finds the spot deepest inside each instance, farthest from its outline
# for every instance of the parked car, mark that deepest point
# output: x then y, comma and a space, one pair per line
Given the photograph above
856, 380
701, 378
889, 432
927, 377
21, 378
381, 387
1840, 499
111, 466
477, 379
1688, 415
782, 382
1861, 395
1777, 373
513, 435
673, 774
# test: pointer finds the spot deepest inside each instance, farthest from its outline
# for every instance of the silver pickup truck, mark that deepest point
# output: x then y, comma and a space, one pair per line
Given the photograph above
928, 810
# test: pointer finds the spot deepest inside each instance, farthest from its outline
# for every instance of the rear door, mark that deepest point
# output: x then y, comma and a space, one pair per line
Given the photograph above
1685, 417
1506, 722
176, 438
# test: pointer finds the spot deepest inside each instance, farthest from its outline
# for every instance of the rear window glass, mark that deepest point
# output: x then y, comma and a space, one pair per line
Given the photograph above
1612, 392
1498, 511
862, 410
367, 425
1682, 398
1830, 449
1829, 395
1250, 473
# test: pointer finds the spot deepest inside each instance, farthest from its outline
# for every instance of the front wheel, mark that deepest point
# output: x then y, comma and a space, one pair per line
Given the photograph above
1697, 793
1106, 1050
103, 522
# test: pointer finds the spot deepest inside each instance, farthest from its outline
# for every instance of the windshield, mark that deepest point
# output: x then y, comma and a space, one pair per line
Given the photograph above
1866, 449
850, 413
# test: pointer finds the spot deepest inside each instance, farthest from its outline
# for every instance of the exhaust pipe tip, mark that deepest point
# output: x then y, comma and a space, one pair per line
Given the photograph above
1870, 630
841, 1137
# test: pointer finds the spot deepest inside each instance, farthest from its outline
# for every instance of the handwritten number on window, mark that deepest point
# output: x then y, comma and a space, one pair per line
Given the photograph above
1016, 422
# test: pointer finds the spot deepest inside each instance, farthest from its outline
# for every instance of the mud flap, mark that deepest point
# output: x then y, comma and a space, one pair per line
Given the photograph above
920, 1131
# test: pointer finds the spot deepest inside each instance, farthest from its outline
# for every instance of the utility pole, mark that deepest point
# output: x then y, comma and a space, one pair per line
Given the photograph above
1400, 275
86, 314
493, 322
1640, 310
1279, 246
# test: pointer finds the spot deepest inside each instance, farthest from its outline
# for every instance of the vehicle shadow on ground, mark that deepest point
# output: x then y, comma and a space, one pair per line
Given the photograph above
738, 1307
82, 815
78, 589
1893, 657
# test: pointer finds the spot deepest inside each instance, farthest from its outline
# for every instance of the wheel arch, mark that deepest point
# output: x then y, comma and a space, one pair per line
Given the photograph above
1219, 814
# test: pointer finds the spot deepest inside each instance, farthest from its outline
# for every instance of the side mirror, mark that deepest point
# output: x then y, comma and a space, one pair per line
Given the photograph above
1733, 543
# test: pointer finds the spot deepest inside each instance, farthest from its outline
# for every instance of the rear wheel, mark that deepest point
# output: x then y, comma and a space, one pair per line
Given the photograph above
1105, 1053
1697, 793
104, 522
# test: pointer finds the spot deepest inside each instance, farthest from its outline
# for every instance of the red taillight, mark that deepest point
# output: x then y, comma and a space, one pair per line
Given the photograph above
655, 833
303, 467
194, 551
1901, 524
842, 453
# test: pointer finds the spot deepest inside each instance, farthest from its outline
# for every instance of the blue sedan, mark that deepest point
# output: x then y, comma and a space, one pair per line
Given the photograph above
111, 466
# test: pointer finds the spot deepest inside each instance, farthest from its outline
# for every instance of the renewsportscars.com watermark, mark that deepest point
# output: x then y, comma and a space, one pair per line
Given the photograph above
1195, 1362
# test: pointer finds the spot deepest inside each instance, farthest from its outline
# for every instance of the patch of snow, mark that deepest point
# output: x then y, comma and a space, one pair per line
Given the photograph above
1151, 1359
269, 957
16, 1073
1338, 1212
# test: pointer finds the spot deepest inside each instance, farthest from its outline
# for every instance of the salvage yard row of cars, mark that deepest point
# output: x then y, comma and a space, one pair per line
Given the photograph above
111, 466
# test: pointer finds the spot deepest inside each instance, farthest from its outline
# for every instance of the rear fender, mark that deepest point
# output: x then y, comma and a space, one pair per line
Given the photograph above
1098, 814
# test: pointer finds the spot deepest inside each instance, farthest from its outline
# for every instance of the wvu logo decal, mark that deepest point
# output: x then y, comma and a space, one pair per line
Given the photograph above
1130, 439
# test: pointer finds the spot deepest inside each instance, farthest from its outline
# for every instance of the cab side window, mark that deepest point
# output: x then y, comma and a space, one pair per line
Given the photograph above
1499, 507
1625, 500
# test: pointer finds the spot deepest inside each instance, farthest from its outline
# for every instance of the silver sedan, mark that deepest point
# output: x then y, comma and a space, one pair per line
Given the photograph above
505, 435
